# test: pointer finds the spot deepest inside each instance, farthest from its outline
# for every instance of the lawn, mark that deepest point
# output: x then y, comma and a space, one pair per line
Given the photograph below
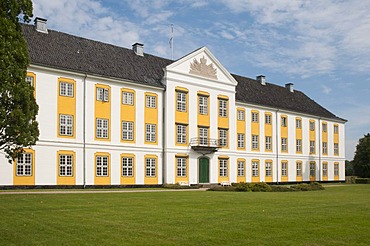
339, 215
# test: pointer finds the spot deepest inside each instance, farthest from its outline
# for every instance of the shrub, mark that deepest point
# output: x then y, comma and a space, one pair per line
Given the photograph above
279, 188
362, 180
222, 188
307, 187
178, 186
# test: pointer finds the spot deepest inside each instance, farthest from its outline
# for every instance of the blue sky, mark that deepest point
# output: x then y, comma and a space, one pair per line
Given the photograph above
323, 47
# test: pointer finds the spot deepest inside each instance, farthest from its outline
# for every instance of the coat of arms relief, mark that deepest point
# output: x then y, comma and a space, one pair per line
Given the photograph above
201, 68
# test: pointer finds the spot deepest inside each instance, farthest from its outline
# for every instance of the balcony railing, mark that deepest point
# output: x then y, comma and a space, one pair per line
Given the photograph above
204, 145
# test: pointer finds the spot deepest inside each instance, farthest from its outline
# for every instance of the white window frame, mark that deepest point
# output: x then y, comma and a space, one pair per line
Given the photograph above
336, 129
284, 121
181, 101
127, 130
284, 168
299, 169
312, 147
222, 112
255, 116
150, 167
268, 169
336, 169
222, 133
102, 166
24, 165
223, 167
181, 133
65, 125
151, 101
268, 119
102, 94
241, 168
325, 148
203, 105
127, 98
151, 133
312, 125
255, 142
241, 115
298, 123
298, 145
324, 127
255, 169
127, 166
284, 144
65, 89
336, 148
181, 166
102, 128
241, 140
325, 169
312, 169
268, 142
65, 165
203, 136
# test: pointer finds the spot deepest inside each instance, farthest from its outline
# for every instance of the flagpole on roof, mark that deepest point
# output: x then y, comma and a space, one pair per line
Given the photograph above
171, 42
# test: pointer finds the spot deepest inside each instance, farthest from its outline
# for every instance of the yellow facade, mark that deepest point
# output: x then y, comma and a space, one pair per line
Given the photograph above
325, 136
128, 180
182, 117
336, 175
284, 178
227, 177
299, 177
128, 112
241, 128
241, 179
33, 75
25, 180
325, 177
255, 128
269, 179
284, 131
255, 179
66, 180
98, 180
147, 179
66, 106
223, 121
336, 138
151, 117
313, 135
203, 119
103, 110
298, 134
268, 130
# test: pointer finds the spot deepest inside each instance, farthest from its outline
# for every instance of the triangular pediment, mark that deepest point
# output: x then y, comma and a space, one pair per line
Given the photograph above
202, 63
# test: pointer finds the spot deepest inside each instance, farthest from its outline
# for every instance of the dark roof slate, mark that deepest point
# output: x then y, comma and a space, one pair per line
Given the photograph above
65, 51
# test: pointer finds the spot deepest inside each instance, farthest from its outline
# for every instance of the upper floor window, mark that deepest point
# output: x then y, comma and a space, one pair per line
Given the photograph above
223, 137
324, 127
268, 119
66, 89
298, 145
336, 129
150, 133
181, 134
284, 168
268, 142
312, 125
101, 128
241, 115
298, 123
254, 117
255, 144
102, 166
181, 101
203, 136
324, 148
336, 149
66, 125
24, 164
284, 144
127, 98
203, 105
241, 140
312, 147
102, 94
127, 130
283, 121
222, 108
151, 102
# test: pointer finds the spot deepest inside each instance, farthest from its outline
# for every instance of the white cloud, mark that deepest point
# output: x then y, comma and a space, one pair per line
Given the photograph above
326, 89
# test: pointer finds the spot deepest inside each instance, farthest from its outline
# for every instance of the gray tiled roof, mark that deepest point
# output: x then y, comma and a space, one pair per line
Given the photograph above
64, 51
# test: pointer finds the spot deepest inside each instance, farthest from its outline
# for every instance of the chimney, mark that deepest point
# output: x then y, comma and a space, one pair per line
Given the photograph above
40, 25
261, 79
289, 86
138, 49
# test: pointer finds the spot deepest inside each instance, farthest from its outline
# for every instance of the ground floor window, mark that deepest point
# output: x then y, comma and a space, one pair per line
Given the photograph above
324, 169
312, 169
65, 165
151, 164
299, 169
241, 168
268, 168
255, 169
223, 167
102, 166
127, 166
181, 166
284, 168
24, 164
336, 169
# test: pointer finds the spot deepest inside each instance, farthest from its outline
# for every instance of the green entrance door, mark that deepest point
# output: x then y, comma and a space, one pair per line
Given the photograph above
203, 170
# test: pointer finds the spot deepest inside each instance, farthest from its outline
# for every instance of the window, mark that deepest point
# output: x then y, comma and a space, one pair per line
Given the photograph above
241, 168
223, 167
312, 147
336, 129
336, 169
241, 140
66, 89
151, 102
150, 132
150, 170
299, 145
101, 128
181, 134
284, 146
181, 101
268, 169
268, 143
203, 136
283, 121
312, 125
203, 105
65, 125
222, 108
255, 144
299, 168
102, 166
298, 123
324, 127
127, 130
30, 80
24, 164
127, 166
255, 171
241, 115
284, 168
102, 94
222, 137
325, 148
312, 169
181, 167
324, 169
336, 149
65, 165
268, 119
127, 98
254, 117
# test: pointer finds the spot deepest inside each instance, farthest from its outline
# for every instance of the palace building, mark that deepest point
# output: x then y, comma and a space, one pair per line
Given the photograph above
115, 116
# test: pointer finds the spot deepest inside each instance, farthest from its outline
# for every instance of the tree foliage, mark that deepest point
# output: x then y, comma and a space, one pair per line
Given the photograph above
361, 161
18, 108
349, 168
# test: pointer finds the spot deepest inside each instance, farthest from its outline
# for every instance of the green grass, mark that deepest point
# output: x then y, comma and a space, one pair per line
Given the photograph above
339, 215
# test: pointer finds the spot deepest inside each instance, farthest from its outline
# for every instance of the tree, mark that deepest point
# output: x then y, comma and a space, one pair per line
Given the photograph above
361, 161
18, 108
349, 168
